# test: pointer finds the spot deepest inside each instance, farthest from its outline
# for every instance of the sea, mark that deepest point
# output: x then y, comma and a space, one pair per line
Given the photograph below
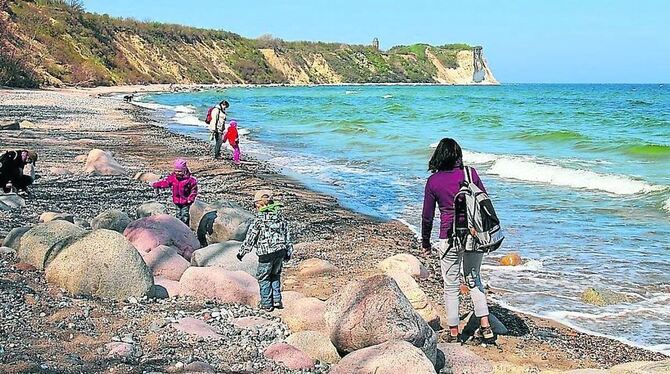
579, 175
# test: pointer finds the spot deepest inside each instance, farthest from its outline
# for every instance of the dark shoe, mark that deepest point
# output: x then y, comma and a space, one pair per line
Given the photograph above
267, 308
487, 335
278, 305
448, 338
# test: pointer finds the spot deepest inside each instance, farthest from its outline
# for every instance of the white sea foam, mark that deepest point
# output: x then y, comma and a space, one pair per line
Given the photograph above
387, 96
520, 169
666, 206
187, 119
152, 106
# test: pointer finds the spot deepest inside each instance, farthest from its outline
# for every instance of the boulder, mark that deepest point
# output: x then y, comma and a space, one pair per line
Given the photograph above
404, 262
640, 367
603, 297
196, 327
24, 266
199, 367
146, 177
25, 124
289, 356
150, 232
305, 314
42, 243
81, 158
219, 222
13, 238
315, 266
165, 262
511, 259
151, 208
12, 201
223, 255
10, 125
173, 288
219, 284
387, 358
104, 264
102, 163
419, 300
316, 345
461, 359
84, 224
112, 219
52, 216
7, 251
373, 311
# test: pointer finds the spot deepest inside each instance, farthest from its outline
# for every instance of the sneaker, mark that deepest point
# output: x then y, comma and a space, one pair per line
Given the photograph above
487, 334
278, 305
267, 308
446, 337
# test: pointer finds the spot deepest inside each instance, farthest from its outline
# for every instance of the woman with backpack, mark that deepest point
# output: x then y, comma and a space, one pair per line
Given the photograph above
442, 186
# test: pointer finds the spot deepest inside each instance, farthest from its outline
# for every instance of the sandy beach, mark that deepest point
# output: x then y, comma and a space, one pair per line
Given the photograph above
67, 123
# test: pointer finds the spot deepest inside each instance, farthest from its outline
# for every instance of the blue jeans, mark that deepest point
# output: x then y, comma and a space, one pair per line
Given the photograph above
269, 277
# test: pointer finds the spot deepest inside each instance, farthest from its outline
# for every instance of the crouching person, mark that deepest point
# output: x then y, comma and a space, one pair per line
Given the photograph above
269, 236
17, 170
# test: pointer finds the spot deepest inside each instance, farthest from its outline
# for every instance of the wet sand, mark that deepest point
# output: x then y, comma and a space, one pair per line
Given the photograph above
68, 123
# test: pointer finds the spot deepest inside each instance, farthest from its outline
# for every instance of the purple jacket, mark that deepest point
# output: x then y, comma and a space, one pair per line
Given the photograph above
441, 187
184, 191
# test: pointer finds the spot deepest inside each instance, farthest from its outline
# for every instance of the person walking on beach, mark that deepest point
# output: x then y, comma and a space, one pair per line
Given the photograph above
448, 170
269, 236
17, 170
184, 189
217, 125
233, 138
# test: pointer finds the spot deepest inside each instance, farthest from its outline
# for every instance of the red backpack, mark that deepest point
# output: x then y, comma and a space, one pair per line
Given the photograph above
208, 119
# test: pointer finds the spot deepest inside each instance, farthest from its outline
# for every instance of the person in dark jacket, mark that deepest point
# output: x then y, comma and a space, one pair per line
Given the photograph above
12, 165
269, 235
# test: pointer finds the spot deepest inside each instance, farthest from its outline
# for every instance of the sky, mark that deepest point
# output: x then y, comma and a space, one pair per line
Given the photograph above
561, 41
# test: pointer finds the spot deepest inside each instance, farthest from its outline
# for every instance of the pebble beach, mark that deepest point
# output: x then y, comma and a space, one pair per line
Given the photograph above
45, 329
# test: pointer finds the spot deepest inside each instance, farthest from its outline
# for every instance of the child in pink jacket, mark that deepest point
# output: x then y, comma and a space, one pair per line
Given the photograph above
184, 189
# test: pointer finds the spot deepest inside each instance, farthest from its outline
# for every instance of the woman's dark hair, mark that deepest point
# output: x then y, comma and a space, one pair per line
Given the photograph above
447, 156
224, 103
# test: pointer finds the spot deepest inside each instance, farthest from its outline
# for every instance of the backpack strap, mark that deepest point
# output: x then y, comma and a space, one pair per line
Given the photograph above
467, 173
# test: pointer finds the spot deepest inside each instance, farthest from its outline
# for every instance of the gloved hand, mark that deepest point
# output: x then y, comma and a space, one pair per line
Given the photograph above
239, 257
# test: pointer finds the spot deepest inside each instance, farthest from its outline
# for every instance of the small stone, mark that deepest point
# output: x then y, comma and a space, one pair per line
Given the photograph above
132, 300
127, 338
43, 314
511, 259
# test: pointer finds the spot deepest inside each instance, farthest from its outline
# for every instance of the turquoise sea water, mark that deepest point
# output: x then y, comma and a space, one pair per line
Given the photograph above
579, 175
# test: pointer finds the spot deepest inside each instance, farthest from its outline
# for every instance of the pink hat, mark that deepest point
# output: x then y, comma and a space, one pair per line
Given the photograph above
180, 164
233, 123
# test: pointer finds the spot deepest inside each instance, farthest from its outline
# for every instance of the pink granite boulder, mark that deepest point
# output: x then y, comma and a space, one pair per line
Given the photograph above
304, 314
172, 287
102, 163
150, 232
387, 358
165, 262
289, 356
219, 284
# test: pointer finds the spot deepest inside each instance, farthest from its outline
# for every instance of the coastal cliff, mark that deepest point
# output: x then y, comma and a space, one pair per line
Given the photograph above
57, 43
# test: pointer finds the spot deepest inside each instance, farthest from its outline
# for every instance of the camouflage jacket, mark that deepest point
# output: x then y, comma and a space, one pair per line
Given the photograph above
269, 233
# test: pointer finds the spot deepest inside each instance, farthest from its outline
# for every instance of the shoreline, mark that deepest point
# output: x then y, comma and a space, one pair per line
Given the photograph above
416, 231
136, 141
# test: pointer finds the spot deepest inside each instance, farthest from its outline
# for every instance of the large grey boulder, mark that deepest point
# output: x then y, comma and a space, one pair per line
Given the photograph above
219, 222
223, 255
42, 243
112, 219
151, 208
374, 311
13, 238
102, 263
11, 201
